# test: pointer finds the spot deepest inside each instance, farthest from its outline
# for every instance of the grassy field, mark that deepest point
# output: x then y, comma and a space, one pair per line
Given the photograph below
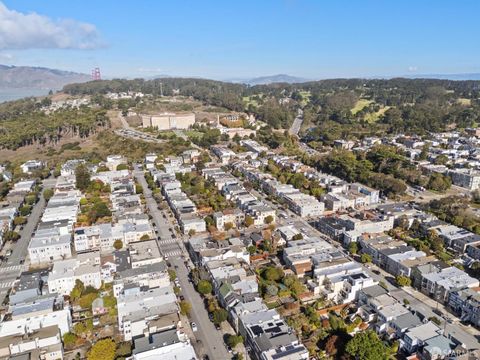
249, 100
360, 105
50, 152
372, 117
464, 102
306, 95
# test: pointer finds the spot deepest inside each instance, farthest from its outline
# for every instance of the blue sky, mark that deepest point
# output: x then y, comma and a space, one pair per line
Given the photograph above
242, 39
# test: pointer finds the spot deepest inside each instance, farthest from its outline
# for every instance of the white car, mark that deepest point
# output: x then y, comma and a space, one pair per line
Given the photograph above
194, 326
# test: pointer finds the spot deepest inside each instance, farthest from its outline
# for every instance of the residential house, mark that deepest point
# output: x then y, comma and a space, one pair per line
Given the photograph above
48, 245
270, 338
31, 165
416, 337
235, 217
466, 304
84, 267
438, 284
139, 307
168, 345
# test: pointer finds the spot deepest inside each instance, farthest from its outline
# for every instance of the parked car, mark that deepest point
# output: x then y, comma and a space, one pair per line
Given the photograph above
194, 326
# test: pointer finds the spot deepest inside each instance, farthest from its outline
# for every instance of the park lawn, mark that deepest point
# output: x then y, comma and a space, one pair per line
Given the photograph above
464, 102
373, 117
248, 100
306, 95
359, 105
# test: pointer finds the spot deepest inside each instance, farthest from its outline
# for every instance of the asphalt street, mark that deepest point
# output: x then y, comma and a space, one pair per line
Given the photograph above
211, 338
167, 240
11, 270
170, 246
297, 123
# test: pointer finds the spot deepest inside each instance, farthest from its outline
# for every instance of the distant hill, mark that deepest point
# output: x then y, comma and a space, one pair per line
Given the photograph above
160, 76
28, 77
466, 76
265, 80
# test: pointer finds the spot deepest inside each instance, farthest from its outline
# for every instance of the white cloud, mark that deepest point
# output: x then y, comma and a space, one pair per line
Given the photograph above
412, 68
33, 31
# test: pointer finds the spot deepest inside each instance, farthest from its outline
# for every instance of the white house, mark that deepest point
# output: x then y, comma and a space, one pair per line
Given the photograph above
48, 246
85, 267
31, 165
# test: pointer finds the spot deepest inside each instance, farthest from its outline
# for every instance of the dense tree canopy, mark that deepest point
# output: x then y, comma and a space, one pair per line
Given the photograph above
102, 350
204, 287
330, 106
23, 122
399, 105
82, 177
367, 346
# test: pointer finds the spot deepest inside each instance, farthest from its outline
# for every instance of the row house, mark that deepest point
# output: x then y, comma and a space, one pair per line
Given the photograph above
439, 283
140, 309
84, 267
298, 254
232, 217
466, 304
269, 337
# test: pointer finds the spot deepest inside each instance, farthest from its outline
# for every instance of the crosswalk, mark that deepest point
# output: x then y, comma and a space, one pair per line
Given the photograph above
6, 284
4, 269
167, 242
171, 253
170, 247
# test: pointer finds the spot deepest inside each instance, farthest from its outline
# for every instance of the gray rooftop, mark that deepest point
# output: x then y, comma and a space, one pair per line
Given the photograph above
155, 341
374, 291
156, 267
407, 321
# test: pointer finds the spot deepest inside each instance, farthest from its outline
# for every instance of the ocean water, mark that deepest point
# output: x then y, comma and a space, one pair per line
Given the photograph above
14, 94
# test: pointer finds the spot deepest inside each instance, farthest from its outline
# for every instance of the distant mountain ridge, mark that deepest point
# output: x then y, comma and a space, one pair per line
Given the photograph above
270, 79
31, 77
465, 76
